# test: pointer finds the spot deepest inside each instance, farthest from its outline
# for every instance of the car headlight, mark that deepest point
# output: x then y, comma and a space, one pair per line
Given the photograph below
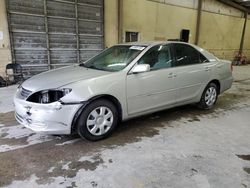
48, 96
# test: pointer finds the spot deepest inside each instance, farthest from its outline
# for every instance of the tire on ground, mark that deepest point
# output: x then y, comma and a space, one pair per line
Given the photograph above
82, 129
202, 104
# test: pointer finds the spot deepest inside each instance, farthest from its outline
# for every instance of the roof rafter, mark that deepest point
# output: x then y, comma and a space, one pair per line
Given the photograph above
243, 5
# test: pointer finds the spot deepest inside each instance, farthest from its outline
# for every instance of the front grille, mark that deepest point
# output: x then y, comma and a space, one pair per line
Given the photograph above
24, 93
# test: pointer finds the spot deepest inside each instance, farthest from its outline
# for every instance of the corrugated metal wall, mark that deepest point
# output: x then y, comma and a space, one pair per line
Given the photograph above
47, 34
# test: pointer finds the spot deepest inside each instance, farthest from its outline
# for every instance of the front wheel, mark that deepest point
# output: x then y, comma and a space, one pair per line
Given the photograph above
97, 120
209, 96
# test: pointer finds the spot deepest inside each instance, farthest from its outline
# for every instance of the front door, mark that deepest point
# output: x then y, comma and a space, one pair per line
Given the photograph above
154, 89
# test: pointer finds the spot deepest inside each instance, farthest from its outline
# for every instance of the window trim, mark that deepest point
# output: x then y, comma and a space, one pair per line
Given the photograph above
163, 44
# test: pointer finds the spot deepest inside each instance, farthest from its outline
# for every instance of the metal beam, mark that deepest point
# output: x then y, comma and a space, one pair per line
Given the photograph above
83, 4
77, 32
235, 5
57, 17
197, 35
47, 31
244, 3
240, 1
10, 32
103, 25
120, 20
243, 34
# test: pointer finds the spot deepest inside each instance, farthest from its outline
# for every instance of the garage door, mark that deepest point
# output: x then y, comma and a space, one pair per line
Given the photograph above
47, 34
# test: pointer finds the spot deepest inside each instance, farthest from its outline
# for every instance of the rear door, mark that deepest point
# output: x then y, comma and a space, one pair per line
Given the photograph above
192, 71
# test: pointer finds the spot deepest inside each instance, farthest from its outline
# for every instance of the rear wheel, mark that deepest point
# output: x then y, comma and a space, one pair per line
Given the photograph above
97, 120
209, 96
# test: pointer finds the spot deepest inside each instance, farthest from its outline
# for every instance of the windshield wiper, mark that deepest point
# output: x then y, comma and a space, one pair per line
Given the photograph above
91, 66
96, 68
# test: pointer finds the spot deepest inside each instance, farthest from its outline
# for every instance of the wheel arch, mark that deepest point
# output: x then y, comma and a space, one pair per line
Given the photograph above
218, 84
201, 104
108, 97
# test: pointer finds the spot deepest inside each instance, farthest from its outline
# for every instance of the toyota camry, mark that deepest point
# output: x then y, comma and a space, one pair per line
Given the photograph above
122, 82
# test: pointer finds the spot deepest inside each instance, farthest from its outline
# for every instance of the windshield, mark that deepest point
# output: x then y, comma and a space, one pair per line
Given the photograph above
115, 58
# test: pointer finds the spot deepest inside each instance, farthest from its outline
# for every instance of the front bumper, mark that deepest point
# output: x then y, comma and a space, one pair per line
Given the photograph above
54, 118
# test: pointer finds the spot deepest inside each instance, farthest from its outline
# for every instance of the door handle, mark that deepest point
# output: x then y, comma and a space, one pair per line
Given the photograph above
170, 75
207, 69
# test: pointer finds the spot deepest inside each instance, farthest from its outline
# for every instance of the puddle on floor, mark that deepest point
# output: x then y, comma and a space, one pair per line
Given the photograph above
69, 169
247, 170
244, 157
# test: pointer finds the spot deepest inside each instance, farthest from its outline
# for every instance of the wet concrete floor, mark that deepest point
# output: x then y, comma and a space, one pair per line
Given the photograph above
180, 147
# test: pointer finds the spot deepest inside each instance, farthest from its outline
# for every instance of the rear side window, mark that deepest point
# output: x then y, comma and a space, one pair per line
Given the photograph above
187, 55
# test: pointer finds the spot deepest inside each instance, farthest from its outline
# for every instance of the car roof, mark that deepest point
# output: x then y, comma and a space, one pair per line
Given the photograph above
150, 43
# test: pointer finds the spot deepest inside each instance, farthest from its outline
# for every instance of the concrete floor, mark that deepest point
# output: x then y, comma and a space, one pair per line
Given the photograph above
181, 147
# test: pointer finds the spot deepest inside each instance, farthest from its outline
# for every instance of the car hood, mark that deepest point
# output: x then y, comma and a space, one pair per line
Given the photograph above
60, 77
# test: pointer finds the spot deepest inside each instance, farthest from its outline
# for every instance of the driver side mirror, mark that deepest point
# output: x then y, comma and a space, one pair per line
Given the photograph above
141, 68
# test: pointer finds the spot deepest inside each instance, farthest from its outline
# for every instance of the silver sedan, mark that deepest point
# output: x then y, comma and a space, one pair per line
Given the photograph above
122, 82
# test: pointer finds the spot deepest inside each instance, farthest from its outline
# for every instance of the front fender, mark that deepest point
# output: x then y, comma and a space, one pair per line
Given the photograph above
113, 85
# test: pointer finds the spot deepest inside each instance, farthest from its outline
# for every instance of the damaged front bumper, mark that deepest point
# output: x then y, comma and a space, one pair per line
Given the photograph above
53, 118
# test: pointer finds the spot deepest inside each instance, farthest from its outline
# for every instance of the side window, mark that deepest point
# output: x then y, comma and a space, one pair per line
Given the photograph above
187, 55
158, 57
203, 59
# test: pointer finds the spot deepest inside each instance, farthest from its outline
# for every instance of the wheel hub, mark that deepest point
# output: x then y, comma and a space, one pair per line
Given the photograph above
100, 120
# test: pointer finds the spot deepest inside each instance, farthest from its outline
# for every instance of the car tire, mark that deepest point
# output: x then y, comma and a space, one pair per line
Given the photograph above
209, 97
97, 120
